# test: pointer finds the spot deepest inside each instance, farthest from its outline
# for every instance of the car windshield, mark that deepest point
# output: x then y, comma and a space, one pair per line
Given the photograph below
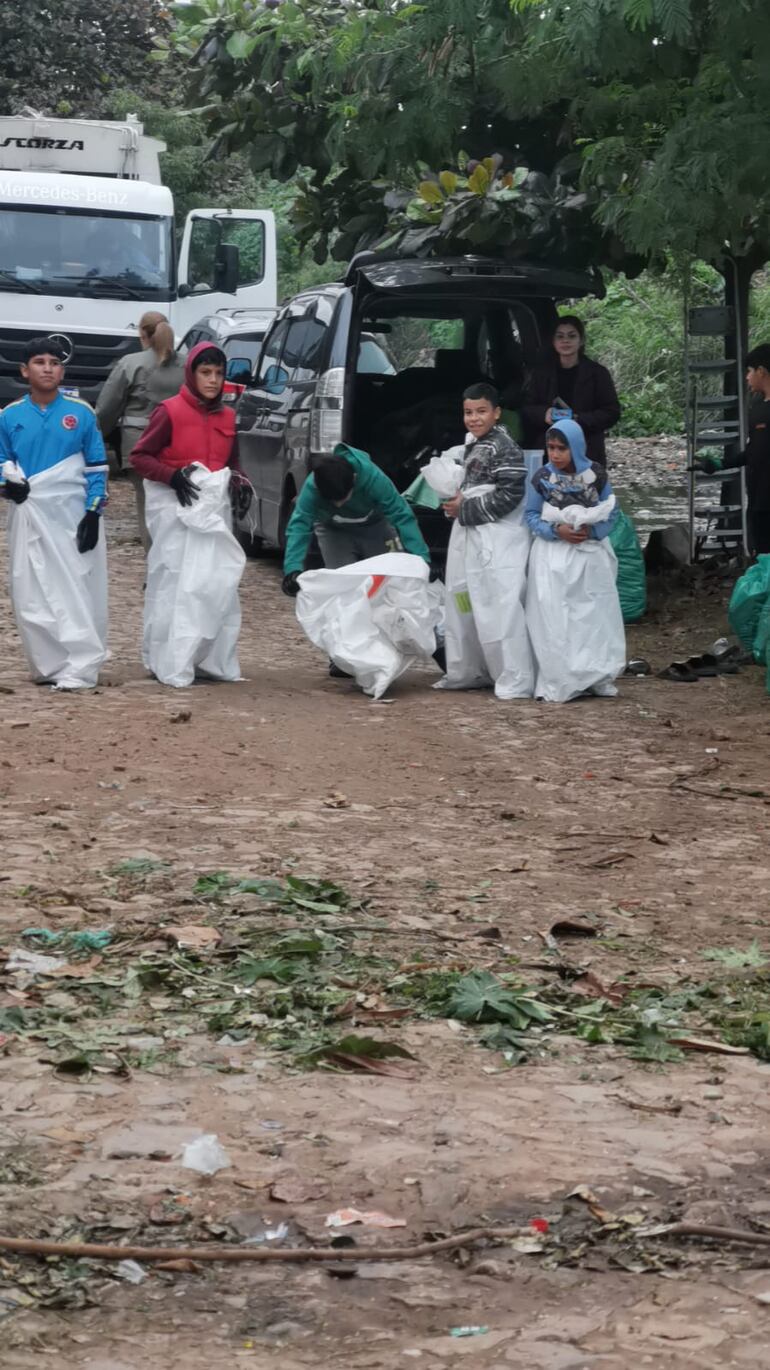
246, 345
61, 251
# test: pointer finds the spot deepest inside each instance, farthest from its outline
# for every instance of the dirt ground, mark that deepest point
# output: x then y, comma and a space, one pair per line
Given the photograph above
466, 828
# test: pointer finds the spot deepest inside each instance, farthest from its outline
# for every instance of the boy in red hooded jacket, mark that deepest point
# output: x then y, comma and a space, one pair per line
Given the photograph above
193, 426
192, 614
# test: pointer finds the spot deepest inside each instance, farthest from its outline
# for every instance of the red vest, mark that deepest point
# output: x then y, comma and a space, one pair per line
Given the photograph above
198, 434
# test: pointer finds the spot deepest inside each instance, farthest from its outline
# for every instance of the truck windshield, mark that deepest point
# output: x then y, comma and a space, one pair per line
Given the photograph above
61, 251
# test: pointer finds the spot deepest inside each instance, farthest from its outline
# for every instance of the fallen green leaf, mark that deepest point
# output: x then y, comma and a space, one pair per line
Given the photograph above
735, 959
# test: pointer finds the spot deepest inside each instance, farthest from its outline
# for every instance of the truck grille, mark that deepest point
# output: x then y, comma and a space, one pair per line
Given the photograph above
94, 356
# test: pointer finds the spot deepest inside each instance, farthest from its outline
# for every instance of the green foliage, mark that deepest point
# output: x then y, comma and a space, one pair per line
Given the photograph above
483, 207
138, 866
481, 998
735, 959
303, 893
650, 1044
199, 180
66, 59
637, 331
662, 104
668, 101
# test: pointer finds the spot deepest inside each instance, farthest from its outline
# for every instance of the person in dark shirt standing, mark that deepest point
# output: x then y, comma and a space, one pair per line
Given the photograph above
756, 455
569, 385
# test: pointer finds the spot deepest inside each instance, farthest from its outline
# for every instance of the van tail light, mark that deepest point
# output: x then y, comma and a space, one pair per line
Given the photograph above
326, 414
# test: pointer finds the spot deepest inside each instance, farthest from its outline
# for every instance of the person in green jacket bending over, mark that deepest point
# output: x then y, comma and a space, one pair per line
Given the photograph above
355, 511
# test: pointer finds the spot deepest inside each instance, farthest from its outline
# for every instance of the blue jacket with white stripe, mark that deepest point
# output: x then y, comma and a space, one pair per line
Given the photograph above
41, 438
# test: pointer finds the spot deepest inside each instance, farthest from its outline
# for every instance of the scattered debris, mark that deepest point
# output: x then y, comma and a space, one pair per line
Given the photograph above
193, 936
572, 927
131, 1271
346, 1217
267, 1233
706, 1044
592, 987
735, 959
347, 1271
468, 1331
33, 963
76, 941
610, 858
365, 1054
205, 1155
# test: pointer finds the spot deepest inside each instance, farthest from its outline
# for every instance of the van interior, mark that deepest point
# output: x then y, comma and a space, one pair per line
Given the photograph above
433, 353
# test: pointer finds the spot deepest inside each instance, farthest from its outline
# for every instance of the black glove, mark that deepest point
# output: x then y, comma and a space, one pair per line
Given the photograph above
240, 498
185, 489
16, 490
88, 531
290, 584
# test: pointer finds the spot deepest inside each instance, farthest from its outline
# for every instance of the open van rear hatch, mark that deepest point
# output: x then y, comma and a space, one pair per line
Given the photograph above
472, 278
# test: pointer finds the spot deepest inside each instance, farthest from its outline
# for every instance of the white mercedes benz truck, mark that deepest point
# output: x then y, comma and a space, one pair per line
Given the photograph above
88, 243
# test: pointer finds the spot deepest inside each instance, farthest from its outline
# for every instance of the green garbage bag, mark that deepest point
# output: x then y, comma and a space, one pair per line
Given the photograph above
748, 598
761, 644
632, 577
422, 494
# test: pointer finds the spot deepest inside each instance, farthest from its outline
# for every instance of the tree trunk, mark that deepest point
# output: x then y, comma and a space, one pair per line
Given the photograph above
737, 273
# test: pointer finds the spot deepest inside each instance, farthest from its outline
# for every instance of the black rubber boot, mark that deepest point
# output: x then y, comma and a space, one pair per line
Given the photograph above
337, 674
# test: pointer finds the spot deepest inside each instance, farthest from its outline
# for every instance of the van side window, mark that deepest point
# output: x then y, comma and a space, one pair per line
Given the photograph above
501, 350
271, 356
303, 352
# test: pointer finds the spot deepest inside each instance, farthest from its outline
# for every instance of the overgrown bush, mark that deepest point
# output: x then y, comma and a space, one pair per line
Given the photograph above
637, 330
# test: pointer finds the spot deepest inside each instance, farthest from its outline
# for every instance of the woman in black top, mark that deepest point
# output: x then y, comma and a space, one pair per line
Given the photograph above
582, 386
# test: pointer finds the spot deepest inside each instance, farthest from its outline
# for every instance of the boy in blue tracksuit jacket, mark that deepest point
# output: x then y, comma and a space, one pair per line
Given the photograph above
45, 428
53, 472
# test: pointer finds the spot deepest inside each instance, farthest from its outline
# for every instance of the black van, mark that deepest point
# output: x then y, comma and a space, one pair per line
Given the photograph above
380, 360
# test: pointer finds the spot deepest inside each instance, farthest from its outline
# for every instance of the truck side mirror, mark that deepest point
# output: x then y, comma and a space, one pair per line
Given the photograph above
228, 267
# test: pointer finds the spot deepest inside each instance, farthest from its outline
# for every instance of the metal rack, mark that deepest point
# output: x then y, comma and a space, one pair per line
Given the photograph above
716, 417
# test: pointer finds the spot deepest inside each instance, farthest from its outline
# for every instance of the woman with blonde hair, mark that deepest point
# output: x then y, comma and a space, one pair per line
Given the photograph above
133, 389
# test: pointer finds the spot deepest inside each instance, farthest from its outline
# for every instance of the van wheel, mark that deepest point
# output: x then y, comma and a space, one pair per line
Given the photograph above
252, 546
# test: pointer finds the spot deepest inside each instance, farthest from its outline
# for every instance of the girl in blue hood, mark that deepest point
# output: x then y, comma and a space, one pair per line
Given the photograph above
568, 477
573, 611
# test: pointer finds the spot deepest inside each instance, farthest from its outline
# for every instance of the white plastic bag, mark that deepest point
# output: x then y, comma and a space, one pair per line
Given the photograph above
206, 1155
485, 632
574, 618
192, 614
374, 618
578, 515
444, 474
59, 594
